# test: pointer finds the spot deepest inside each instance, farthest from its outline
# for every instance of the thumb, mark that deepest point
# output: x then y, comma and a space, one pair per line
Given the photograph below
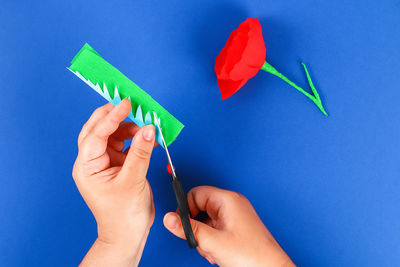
206, 236
138, 159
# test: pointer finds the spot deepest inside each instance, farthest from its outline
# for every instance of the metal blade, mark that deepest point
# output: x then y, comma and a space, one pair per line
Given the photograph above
157, 123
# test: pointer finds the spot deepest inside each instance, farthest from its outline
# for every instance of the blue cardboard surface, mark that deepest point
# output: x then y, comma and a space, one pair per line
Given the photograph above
327, 188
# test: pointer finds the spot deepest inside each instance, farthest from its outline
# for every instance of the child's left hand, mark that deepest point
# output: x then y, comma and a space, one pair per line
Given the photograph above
113, 184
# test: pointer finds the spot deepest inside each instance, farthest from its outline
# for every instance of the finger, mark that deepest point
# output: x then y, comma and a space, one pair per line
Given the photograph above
117, 158
138, 158
116, 144
125, 131
127, 150
206, 255
206, 198
209, 222
95, 143
96, 116
110, 123
206, 236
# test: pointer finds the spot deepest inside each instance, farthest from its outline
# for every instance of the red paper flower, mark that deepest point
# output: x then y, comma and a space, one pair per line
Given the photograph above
241, 58
244, 55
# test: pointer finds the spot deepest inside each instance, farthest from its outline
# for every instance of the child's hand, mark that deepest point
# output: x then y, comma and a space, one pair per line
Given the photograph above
113, 184
234, 235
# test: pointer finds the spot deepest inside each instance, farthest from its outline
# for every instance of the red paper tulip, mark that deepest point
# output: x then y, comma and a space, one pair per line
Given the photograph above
243, 56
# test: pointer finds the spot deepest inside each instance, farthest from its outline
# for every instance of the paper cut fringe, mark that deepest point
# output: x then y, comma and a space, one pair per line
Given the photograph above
137, 118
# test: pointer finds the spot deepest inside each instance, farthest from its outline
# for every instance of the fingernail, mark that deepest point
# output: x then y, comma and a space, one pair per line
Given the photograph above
171, 221
149, 133
124, 100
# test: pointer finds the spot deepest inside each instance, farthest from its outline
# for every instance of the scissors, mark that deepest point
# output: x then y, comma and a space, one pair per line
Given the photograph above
180, 195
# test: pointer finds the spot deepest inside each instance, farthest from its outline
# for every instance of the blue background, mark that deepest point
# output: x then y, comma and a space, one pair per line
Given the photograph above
327, 188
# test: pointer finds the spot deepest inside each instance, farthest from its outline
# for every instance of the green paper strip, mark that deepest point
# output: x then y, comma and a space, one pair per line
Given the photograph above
94, 69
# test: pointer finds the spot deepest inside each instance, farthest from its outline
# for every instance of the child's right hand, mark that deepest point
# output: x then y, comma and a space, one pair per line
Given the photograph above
234, 235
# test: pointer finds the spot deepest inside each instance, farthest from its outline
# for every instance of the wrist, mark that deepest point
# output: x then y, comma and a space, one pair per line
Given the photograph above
107, 254
123, 252
124, 233
276, 256
126, 242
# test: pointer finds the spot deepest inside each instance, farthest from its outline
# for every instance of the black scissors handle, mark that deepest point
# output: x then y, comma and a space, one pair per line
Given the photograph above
184, 211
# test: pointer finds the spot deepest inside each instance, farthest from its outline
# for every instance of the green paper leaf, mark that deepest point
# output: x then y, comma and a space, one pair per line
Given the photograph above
315, 98
114, 86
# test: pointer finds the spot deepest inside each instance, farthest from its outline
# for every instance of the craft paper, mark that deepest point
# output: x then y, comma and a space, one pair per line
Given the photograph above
315, 98
110, 83
244, 55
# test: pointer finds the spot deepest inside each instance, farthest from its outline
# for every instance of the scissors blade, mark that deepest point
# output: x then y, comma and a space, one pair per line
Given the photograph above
157, 123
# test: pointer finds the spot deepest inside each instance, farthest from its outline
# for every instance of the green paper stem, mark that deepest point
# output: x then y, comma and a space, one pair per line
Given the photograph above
315, 98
